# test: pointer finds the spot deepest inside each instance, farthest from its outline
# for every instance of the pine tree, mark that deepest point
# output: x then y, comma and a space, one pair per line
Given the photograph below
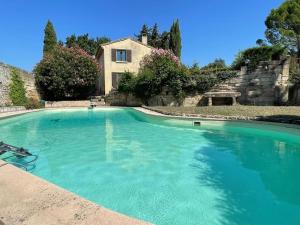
145, 31
175, 39
50, 39
154, 39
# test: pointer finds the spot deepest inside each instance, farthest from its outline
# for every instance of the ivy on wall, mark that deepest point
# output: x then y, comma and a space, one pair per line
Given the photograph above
17, 92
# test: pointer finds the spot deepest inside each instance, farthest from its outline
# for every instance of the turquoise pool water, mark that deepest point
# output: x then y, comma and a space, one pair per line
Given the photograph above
166, 171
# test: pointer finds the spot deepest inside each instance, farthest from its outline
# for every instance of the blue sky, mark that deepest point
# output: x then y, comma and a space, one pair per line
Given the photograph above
210, 29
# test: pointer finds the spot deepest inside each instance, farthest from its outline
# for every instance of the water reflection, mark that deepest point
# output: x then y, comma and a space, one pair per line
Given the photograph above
260, 177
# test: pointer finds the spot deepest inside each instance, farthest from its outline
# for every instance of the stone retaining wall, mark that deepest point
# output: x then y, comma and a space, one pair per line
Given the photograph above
62, 104
294, 94
267, 85
5, 74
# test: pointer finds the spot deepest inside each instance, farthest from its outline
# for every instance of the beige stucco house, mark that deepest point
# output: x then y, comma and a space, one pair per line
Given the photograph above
117, 57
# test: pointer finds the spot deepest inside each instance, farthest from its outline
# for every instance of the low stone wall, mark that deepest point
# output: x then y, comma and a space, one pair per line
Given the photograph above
12, 109
64, 104
5, 74
164, 99
119, 99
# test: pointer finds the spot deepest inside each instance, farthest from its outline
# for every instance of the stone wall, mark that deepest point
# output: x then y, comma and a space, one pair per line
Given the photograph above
11, 109
64, 104
294, 95
5, 75
267, 85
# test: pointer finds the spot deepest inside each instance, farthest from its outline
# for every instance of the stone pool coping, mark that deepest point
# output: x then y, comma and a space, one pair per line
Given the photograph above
16, 113
274, 121
28, 199
250, 120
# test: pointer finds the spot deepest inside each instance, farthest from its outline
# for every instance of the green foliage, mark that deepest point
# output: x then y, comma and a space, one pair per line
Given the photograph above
155, 38
145, 31
165, 40
90, 45
161, 70
217, 64
175, 39
68, 73
283, 26
260, 42
50, 39
34, 104
17, 92
127, 83
252, 56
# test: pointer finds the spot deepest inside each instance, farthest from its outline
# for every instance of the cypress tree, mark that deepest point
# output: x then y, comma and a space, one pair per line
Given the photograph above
50, 39
175, 39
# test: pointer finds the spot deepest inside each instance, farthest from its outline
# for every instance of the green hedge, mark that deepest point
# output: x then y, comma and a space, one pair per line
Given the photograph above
252, 56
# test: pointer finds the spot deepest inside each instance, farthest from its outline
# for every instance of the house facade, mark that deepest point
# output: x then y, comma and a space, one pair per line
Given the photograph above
117, 57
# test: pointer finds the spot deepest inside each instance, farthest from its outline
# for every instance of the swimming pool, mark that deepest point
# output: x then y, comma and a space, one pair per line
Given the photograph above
166, 171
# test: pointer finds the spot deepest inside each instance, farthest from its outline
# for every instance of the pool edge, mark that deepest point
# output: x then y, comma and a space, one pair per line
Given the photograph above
29, 199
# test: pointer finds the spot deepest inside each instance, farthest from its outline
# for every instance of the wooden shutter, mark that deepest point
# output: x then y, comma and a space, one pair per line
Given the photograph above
129, 55
113, 55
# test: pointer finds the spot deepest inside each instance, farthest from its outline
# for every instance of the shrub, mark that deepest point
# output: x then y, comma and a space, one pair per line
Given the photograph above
252, 56
17, 92
33, 103
216, 64
67, 73
127, 83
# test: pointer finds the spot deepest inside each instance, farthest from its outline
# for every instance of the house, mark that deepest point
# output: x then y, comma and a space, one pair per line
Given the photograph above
117, 57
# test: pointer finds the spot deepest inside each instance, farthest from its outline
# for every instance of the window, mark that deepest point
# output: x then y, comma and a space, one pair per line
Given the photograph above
116, 77
121, 55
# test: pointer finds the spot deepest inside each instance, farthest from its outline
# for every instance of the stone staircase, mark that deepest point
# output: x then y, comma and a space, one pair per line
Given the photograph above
97, 101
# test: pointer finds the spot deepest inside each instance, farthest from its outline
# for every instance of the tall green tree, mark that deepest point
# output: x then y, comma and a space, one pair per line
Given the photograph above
165, 40
50, 39
155, 37
283, 26
145, 31
90, 45
17, 92
175, 39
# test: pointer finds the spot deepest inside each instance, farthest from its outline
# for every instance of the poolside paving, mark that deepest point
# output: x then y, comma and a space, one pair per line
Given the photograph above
28, 199
16, 113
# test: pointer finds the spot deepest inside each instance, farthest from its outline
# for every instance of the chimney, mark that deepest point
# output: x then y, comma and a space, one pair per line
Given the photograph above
145, 39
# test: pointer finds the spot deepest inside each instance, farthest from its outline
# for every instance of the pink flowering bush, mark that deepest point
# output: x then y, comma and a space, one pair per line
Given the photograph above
66, 73
160, 69
158, 54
